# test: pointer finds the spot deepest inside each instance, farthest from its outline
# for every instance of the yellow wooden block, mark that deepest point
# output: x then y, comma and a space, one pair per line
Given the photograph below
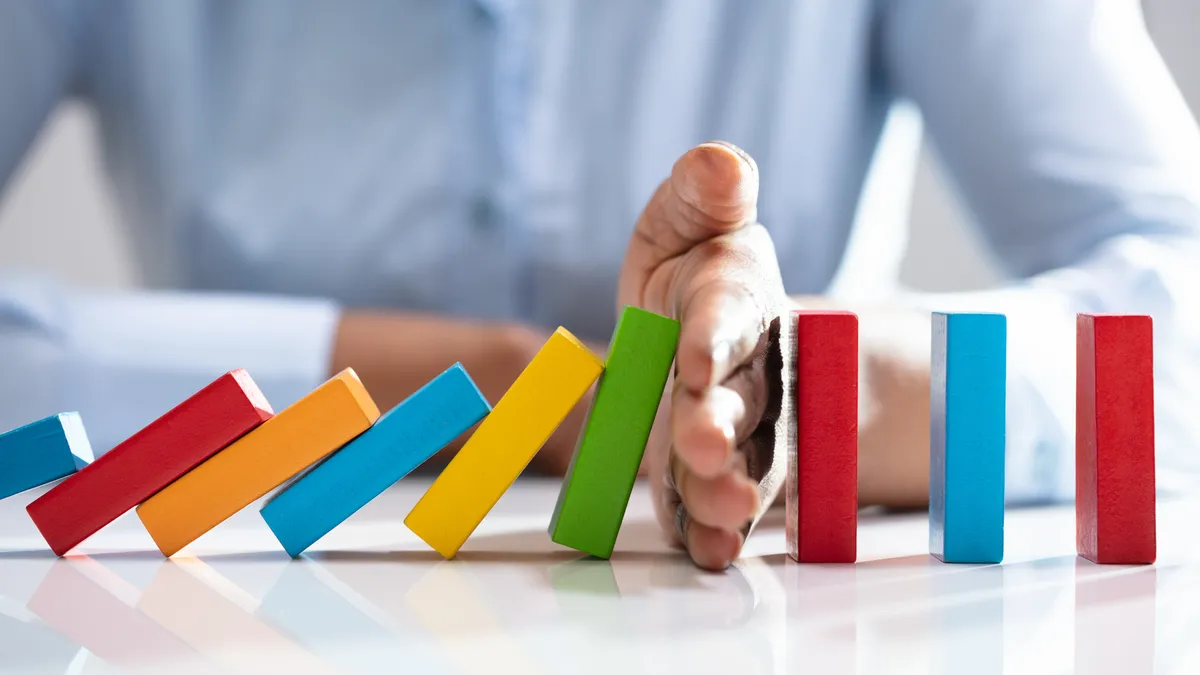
504, 443
283, 446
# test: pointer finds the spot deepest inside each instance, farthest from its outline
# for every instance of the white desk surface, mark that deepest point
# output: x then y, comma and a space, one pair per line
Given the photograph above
372, 598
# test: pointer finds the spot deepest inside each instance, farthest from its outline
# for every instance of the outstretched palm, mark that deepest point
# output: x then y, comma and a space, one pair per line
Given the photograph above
697, 254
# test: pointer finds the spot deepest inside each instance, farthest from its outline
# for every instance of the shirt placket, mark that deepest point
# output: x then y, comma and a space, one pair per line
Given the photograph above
511, 67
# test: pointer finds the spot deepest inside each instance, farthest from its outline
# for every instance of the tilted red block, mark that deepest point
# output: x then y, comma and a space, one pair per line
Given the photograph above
148, 461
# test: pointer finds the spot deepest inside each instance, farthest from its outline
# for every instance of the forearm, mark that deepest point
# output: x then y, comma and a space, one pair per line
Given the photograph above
396, 353
1084, 191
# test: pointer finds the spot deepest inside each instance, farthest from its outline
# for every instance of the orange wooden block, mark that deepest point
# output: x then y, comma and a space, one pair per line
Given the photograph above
308, 430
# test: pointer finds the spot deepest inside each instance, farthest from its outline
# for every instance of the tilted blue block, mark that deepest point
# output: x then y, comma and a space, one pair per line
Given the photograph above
42, 452
397, 443
966, 438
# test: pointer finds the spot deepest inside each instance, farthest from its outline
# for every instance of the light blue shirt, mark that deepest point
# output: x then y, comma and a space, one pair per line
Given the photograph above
276, 161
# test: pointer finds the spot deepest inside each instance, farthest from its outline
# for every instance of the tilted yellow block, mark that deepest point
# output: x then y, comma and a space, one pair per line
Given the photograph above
504, 443
323, 421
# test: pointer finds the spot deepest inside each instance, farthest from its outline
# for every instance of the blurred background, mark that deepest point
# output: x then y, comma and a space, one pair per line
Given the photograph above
59, 195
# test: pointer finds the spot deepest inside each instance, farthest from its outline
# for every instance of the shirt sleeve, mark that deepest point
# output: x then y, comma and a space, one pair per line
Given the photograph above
124, 358
1076, 154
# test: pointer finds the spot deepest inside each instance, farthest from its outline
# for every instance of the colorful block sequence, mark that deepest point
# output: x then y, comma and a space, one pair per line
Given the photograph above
223, 447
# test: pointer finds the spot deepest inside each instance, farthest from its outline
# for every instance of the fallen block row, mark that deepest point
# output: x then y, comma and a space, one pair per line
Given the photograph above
330, 453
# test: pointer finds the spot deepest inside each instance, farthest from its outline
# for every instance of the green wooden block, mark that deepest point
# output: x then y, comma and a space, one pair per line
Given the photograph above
600, 478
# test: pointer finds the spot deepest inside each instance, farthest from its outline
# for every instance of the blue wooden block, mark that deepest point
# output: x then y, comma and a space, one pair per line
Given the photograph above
399, 442
42, 452
966, 438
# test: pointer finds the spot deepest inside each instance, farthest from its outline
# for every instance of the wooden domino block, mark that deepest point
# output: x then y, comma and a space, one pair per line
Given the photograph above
316, 425
148, 461
399, 442
1114, 439
822, 482
599, 481
42, 452
967, 431
504, 443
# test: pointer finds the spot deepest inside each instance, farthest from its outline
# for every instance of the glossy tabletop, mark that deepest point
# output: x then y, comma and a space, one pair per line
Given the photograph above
371, 598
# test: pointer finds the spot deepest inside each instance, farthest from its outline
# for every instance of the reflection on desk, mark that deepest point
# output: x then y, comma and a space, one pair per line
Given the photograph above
369, 598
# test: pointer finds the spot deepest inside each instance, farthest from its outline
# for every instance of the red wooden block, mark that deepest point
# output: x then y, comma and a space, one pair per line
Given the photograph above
822, 484
148, 461
1114, 438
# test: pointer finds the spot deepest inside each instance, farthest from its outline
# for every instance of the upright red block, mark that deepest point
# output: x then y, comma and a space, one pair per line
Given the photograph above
148, 461
822, 484
1114, 438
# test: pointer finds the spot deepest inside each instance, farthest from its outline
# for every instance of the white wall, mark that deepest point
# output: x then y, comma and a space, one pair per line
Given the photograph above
944, 253
59, 218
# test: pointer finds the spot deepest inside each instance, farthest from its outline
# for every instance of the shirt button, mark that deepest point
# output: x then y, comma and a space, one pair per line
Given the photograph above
483, 214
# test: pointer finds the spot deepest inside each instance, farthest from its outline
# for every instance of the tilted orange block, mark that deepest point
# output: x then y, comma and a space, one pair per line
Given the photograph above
308, 430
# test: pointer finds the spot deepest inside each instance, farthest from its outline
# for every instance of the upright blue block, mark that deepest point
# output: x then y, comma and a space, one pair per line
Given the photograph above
41, 452
966, 438
399, 442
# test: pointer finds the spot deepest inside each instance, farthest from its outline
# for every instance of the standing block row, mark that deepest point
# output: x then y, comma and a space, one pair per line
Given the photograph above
968, 371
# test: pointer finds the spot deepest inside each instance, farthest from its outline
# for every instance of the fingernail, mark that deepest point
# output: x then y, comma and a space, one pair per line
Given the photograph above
746, 159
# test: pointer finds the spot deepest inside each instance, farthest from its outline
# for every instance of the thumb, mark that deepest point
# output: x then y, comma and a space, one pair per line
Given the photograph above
712, 190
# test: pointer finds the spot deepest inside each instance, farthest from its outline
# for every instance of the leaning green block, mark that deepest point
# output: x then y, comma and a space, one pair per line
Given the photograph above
600, 478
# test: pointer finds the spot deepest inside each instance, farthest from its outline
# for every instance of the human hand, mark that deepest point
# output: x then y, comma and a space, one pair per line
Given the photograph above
716, 455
